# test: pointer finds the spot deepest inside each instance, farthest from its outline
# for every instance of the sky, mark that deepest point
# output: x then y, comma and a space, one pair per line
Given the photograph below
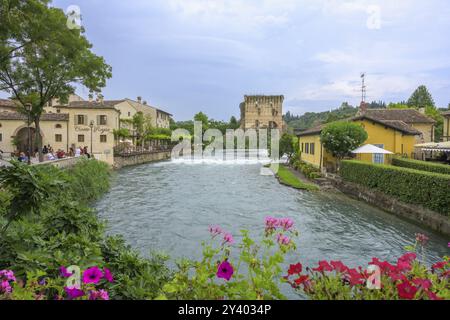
186, 56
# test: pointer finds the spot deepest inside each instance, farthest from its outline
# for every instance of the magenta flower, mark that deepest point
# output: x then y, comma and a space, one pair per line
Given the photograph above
283, 240
228, 238
74, 293
271, 223
92, 275
5, 287
215, 230
7, 275
225, 271
99, 295
286, 223
108, 275
64, 272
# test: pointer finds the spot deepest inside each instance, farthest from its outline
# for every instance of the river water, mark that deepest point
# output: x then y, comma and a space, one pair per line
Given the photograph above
168, 207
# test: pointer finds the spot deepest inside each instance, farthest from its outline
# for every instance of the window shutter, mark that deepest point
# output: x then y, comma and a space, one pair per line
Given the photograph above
76, 120
106, 120
86, 120
98, 120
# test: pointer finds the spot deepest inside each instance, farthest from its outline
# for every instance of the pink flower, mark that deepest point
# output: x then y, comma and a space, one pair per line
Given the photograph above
286, 223
215, 230
74, 293
228, 238
92, 275
424, 284
64, 272
283, 240
408, 257
354, 277
406, 290
433, 296
108, 275
225, 271
422, 239
271, 224
99, 295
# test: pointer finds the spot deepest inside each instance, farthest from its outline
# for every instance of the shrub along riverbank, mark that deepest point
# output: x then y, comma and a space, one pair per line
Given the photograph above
421, 165
46, 223
428, 189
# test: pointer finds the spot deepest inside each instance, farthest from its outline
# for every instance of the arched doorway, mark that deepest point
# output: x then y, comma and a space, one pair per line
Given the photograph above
22, 139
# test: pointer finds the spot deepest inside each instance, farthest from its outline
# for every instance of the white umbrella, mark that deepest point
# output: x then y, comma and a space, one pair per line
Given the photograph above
371, 149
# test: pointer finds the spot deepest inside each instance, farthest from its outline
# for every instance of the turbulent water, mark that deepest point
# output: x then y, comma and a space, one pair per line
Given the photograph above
168, 207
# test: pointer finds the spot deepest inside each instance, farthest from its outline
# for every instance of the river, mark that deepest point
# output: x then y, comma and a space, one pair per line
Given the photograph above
168, 207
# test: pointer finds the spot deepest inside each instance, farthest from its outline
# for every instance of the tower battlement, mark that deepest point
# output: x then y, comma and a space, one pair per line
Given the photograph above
262, 111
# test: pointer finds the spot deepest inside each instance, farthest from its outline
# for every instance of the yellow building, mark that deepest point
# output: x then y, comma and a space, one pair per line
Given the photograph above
396, 136
446, 136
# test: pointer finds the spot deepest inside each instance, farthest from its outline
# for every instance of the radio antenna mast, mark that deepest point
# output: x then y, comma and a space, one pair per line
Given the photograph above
363, 87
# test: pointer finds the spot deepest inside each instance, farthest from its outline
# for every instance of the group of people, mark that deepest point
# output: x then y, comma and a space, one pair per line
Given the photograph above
49, 154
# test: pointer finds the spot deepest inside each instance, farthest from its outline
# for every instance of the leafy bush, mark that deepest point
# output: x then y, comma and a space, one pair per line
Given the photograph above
421, 165
340, 138
62, 230
307, 169
428, 189
254, 275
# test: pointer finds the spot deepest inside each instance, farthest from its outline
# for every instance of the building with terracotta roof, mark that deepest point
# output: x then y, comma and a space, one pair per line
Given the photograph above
394, 130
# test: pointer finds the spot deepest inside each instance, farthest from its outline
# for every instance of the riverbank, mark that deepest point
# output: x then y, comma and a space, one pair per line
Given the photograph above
136, 158
292, 178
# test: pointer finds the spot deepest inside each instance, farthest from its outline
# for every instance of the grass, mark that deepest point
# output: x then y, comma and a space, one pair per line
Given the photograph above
286, 177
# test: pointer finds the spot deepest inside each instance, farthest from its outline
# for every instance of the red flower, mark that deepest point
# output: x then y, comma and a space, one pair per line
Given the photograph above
403, 266
301, 280
339, 267
323, 266
397, 276
406, 290
433, 296
354, 277
424, 284
440, 265
295, 269
385, 266
408, 257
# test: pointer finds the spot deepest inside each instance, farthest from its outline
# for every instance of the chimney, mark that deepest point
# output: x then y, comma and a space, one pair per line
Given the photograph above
100, 98
363, 108
422, 110
139, 99
145, 103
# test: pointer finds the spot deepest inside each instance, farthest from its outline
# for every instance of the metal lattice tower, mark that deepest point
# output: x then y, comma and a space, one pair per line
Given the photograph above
363, 87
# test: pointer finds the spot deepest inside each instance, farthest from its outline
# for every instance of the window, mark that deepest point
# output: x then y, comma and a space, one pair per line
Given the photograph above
58, 110
303, 147
103, 138
102, 120
129, 113
81, 119
312, 148
58, 126
58, 137
378, 157
1, 137
307, 148
81, 138
257, 123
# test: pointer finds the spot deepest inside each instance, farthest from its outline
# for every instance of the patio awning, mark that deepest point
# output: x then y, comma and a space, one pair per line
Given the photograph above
371, 149
441, 146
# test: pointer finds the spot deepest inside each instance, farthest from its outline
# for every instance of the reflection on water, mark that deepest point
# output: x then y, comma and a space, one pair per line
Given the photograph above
169, 206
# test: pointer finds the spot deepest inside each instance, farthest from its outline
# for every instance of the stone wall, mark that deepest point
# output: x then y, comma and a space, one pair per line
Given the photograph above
61, 163
415, 213
132, 159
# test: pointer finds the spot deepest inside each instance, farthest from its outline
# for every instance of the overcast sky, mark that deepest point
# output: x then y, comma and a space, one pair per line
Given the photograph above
192, 55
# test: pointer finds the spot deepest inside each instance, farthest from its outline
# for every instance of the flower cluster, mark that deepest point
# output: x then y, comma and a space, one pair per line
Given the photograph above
6, 278
272, 224
400, 277
91, 277
218, 231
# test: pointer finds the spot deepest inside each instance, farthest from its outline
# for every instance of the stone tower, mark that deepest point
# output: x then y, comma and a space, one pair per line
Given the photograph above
262, 112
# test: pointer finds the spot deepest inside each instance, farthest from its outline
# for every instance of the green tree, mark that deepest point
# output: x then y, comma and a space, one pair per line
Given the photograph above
287, 145
43, 59
340, 138
400, 105
234, 124
421, 98
203, 118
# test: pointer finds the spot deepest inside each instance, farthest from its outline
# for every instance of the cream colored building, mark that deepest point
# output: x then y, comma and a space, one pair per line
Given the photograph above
258, 112
80, 124
446, 136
